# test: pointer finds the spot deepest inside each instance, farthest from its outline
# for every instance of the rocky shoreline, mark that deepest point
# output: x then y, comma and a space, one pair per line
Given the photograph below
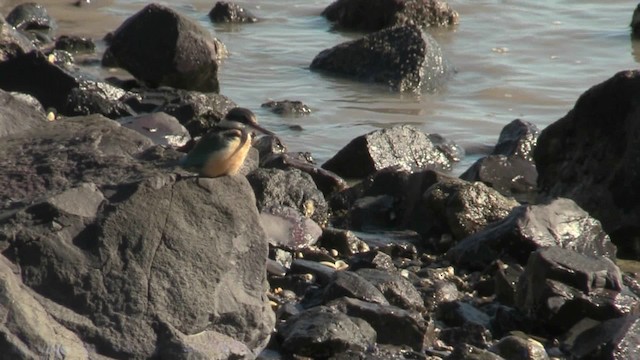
112, 251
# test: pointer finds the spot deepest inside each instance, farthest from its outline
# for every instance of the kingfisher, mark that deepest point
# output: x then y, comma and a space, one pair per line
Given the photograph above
222, 150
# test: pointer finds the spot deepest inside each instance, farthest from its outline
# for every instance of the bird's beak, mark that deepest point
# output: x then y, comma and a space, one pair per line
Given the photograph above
261, 129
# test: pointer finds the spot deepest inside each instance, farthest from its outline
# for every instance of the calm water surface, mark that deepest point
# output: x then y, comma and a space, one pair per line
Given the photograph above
514, 59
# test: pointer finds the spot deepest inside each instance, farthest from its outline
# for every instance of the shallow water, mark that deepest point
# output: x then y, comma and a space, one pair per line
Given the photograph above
514, 59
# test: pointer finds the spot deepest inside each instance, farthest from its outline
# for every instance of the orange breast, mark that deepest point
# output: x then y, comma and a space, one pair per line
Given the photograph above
227, 161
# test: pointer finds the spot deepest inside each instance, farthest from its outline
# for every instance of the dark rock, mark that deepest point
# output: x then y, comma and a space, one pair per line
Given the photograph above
405, 58
530, 227
12, 42
350, 284
470, 352
69, 93
197, 111
287, 107
161, 47
326, 181
29, 100
440, 292
372, 259
612, 339
344, 241
17, 116
62, 58
33, 20
131, 263
63, 154
591, 155
471, 334
452, 150
393, 325
508, 175
28, 331
321, 332
517, 139
378, 14
505, 281
75, 44
161, 128
324, 274
269, 146
286, 228
559, 287
510, 168
458, 313
396, 289
228, 12
463, 208
394, 243
291, 188
635, 22
381, 352
515, 347
403, 146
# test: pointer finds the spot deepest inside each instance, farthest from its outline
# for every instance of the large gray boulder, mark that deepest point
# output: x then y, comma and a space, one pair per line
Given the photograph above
161, 47
403, 57
135, 262
592, 155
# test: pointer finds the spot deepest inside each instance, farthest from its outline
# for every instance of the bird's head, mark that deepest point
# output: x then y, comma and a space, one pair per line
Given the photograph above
242, 118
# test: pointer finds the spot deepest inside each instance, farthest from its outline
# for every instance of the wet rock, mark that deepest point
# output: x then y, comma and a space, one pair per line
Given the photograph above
161, 47
287, 107
509, 176
75, 44
350, 284
378, 14
12, 42
393, 325
69, 93
515, 347
635, 22
228, 12
395, 243
559, 287
510, 168
441, 291
591, 156
17, 116
529, 227
611, 339
505, 280
292, 188
321, 332
344, 241
269, 146
517, 139
381, 352
197, 111
458, 313
404, 58
470, 352
33, 20
326, 181
403, 146
324, 274
452, 150
470, 334
372, 259
463, 208
161, 128
396, 289
288, 229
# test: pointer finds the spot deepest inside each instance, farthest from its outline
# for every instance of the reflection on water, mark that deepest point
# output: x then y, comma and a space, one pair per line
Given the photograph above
514, 59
